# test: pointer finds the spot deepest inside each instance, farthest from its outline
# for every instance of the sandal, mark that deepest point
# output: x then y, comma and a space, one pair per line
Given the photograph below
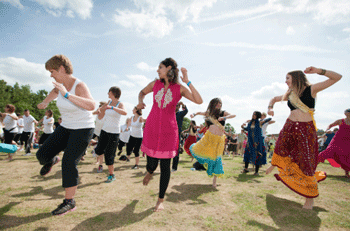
245, 171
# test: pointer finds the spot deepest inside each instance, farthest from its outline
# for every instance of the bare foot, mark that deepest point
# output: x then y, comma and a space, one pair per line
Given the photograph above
192, 159
269, 169
147, 178
159, 205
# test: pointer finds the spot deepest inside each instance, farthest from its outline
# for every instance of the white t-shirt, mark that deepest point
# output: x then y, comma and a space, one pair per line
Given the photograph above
28, 123
10, 123
20, 123
48, 124
124, 135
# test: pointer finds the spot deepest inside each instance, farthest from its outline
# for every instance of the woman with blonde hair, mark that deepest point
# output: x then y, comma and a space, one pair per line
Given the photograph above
296, 150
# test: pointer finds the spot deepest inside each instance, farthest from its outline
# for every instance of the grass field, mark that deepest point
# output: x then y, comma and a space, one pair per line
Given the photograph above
240, 202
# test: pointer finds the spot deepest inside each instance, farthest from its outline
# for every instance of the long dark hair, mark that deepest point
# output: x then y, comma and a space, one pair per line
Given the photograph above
299, 81
173, 73
193, 125
212, 111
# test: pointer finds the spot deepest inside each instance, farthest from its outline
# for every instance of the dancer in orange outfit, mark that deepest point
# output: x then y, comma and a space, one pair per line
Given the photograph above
296, 150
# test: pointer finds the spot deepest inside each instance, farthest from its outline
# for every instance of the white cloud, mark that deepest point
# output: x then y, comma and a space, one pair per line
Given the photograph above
82, 8
145, 67
19, 70
346, 29
147, 24
140, 80
290, 31
270, 47
269, 91
15, 3
152, 17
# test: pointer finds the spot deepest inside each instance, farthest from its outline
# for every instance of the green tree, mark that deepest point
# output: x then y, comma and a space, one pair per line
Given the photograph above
228, 126
186, 123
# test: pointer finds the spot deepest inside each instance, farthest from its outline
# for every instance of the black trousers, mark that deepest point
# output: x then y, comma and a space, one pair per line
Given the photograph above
152, 164
134, 144
74, 143
107, 144
27, 137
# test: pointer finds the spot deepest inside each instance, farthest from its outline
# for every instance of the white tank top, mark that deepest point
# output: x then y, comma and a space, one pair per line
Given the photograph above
10, 123
48, 128
136, 128
98, 125
74, 117
124, 135
111, 121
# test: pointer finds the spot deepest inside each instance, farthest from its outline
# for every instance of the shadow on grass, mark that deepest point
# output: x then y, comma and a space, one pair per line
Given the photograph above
190, 192
289, 215
342, 178
113, 220
142, 174
53, 193
10, 221
57, 175
249, 177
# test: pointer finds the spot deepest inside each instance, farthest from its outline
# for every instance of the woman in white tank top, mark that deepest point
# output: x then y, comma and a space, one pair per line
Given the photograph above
75, 104
109, 136
47, 122
136, 136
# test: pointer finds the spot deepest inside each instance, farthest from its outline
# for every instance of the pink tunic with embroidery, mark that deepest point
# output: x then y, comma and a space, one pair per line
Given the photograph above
160, 136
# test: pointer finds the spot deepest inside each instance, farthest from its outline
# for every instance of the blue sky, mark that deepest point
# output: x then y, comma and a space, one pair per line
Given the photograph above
239, 51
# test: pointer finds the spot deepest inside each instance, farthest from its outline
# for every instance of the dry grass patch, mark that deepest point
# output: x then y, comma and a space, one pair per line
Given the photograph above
240, 202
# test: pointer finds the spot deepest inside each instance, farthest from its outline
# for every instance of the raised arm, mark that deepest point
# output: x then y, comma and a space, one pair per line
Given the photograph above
226, 116
198, 113
335, 123
272, 103
51, 96
120, 109
191, 94
332, 76
143, 93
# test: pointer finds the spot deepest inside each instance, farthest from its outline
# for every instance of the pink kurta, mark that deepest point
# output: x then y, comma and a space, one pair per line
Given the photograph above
338, 151
160, 136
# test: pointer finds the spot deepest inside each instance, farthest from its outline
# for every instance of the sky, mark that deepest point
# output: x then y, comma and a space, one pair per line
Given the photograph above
239, 51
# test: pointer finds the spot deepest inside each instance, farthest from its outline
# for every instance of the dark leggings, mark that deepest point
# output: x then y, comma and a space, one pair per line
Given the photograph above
74, 143
27, 137
121, 144
107, 144
134, 144
9, 137
152, 164
256, 166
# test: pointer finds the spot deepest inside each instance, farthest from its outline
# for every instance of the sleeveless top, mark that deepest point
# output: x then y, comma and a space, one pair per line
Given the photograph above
74, 117
48, 128
111, 121
306, 98
136, 128
221, 122
10, 123
124, 135
98, 126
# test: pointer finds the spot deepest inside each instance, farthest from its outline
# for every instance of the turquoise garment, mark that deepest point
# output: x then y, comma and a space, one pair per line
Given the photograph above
213, 167
8, 148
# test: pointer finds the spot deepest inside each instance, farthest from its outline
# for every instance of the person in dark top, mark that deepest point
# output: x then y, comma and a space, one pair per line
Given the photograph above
329, 137
179, 119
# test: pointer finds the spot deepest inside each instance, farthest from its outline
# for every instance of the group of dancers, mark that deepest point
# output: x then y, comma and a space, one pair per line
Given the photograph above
295, 154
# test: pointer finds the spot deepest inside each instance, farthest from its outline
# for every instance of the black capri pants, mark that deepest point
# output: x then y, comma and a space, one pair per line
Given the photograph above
44, 137
133, 144
152, 164
8, 136
107, 144
74, 143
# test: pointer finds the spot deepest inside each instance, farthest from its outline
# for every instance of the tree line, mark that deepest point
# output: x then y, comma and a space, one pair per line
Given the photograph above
22, 97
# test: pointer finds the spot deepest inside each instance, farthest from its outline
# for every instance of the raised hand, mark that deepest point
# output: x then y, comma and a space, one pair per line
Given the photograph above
270, 112
60, 87
312, 70
141, 106
184, 77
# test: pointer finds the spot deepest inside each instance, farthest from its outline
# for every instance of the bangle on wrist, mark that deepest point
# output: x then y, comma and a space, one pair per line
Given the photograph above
112, 108
188, 84
323, 72
224, 117
270, 106
66, 95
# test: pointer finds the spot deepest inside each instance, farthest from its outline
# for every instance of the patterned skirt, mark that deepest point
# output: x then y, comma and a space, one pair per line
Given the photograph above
295, 155
189, 141
208, 152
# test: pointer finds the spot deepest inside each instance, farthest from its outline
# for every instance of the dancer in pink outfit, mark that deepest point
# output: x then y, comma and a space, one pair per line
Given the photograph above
338, 152
160, 136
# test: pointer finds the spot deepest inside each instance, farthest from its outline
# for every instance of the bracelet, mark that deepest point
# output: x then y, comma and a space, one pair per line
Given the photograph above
270, 106
188, 84
66, 95
323, 72
112, 108
224, 117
